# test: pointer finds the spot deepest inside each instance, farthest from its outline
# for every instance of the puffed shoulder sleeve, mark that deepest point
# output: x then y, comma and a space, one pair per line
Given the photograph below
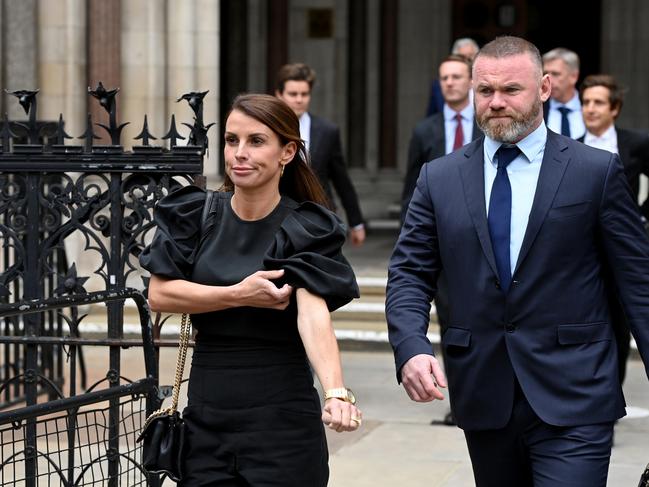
178, 219
308, 246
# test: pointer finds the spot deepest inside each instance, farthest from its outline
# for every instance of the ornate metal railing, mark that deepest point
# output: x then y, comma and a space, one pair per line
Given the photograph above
56, 197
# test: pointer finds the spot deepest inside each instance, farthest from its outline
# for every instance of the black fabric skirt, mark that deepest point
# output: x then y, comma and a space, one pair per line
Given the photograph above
256, 426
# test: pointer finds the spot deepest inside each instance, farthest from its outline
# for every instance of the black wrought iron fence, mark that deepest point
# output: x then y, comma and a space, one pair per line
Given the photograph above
55, 428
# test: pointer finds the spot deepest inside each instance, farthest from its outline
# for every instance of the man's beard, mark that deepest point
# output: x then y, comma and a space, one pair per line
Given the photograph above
512, 130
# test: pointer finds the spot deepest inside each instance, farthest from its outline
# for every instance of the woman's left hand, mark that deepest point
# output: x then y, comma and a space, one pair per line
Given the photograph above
341, 416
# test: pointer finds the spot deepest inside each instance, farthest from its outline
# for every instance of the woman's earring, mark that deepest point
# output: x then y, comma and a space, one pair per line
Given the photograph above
281, 171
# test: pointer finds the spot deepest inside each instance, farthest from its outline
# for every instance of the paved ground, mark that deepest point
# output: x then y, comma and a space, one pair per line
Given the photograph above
398, 445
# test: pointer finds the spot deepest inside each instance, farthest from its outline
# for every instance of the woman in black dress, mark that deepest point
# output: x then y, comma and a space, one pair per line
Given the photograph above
259, 277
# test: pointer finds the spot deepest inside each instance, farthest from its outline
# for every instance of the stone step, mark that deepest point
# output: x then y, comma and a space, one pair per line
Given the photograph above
372, 286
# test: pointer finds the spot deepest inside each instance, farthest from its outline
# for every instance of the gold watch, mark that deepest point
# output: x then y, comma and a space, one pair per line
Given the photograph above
341, 393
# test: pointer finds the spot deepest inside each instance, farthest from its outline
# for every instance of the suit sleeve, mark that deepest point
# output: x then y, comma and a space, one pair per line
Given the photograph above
413, 167
412, 276
626, 246
342, 183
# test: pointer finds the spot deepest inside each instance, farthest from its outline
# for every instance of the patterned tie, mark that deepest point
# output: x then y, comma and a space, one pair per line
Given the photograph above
500, 214
565, 124
459, 132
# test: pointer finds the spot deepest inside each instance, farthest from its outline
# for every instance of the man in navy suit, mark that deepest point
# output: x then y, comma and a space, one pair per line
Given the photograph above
525, 223
322, 139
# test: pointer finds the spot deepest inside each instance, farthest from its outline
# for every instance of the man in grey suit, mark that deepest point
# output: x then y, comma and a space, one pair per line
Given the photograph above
322, 139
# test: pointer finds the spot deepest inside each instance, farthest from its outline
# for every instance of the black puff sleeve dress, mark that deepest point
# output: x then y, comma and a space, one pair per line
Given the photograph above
253, 416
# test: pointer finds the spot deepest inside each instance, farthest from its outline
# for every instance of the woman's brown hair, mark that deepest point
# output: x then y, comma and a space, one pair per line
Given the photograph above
298, 181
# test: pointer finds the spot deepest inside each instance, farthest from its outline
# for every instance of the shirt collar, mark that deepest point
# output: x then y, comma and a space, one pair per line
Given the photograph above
607, 136
466, 112
574, 104
530, 146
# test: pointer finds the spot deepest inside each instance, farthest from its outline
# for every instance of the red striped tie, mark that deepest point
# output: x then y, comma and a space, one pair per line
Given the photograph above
459, 133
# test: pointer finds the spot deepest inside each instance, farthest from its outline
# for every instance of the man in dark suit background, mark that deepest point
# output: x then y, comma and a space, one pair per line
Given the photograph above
438, 135
524, 223
322, 139
562, 112
601, 103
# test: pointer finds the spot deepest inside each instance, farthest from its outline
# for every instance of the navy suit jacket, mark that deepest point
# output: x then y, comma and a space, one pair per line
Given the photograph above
552, 330
328, 163
428, 142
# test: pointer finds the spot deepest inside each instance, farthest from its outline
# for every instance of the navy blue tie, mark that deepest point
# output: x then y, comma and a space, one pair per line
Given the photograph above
565, 124
500, 214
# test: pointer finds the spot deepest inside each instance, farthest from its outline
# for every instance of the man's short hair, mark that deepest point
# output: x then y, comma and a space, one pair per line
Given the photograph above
462, 42
616, 92
505, 46
566, 55
458, 58
294, 72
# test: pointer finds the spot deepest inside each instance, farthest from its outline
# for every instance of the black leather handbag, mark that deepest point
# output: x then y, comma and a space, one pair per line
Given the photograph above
644, 479
163, 433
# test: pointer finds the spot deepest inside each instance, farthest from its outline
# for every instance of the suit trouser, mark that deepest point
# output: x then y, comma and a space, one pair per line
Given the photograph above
254, 427
530, 453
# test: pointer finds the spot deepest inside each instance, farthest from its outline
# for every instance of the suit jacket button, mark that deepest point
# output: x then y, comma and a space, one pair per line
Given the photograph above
510, 328
498, 285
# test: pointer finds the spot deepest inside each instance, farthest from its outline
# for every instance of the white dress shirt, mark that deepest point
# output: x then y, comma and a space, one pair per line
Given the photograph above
575, 117
606, 141
450, 125
305, 130
523, 173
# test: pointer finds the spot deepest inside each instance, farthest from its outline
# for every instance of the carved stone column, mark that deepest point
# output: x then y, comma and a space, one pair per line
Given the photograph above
20, 51
104, 59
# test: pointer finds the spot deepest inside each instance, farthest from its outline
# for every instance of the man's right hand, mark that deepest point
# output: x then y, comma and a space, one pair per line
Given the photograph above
258, 291
422, 376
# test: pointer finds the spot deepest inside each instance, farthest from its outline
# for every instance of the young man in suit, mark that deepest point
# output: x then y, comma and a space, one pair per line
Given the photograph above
601, 103
562, 112
443, 132
525, 224
464, 46
322, 138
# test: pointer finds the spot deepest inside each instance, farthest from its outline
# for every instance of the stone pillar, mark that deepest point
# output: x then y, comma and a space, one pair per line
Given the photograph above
62, 73
207, 77
624, 40
257, 45
20, 58
181, 59
143, 83
419, 57
104, 60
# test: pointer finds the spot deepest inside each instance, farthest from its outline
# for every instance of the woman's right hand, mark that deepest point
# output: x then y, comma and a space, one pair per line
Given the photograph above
258, 291
341, 416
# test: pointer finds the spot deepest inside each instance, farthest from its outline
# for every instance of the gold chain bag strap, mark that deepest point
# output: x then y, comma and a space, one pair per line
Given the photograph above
163, 433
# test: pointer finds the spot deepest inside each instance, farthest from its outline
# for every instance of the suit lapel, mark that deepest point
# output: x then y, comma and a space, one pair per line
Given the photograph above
314, 138
472, 173
623, 148
553, 166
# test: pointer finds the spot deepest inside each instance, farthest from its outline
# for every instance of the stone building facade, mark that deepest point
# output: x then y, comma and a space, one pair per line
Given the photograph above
375, 60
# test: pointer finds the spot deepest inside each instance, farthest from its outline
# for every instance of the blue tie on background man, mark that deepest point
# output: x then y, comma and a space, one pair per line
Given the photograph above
565, 123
